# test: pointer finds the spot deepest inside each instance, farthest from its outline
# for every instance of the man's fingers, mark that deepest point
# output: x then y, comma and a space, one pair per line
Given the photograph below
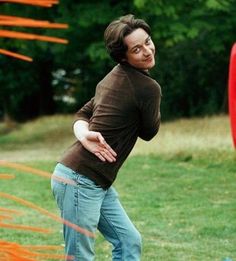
109, 157
106, 145
101, 139
112, 151
98, 154
105, 155
109, 150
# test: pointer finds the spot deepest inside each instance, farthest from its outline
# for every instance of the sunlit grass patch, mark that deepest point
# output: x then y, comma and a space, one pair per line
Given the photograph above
190, 136
50, 136
185, 210
50, 129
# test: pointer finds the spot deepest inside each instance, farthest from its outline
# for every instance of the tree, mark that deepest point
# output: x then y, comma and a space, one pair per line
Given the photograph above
193, 42
40, 89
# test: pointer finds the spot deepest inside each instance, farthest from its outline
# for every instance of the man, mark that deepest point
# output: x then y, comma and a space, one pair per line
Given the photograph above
126, 106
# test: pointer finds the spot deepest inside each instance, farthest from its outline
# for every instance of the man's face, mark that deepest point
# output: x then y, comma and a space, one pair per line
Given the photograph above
141, 50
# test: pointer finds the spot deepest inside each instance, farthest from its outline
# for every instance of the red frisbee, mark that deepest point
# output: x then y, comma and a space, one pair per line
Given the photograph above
232, 93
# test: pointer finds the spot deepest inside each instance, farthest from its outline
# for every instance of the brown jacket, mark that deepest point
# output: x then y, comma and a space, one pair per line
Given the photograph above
126, 106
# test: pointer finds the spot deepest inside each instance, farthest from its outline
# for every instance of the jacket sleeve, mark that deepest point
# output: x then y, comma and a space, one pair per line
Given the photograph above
150, 115
86, 112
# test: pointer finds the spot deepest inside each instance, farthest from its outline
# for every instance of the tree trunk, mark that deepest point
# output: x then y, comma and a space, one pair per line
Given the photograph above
9, 122
46, 102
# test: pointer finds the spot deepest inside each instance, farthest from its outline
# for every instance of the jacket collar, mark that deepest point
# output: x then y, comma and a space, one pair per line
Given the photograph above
126, 65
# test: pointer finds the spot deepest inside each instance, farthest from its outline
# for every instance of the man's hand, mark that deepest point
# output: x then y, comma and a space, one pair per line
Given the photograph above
94, 142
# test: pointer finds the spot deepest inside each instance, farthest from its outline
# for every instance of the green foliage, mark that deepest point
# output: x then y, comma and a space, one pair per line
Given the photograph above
193, 46
193, 40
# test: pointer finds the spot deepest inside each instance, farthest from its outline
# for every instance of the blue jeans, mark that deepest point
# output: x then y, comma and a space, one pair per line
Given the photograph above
89, 206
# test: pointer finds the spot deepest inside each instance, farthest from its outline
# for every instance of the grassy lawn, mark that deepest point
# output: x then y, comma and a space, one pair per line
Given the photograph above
179, 189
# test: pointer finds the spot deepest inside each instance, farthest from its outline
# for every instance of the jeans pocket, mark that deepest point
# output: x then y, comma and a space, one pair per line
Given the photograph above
58, 190
88, 188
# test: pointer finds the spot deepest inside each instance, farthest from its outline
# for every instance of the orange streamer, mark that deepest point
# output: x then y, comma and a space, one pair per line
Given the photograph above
33, 24
44, 247
7, 210
42, 3
27, 36
47, 213
25, 168
16, 55
30, 170
3, 217
6, 176
10, 251
35, 229
10, 17
27, 22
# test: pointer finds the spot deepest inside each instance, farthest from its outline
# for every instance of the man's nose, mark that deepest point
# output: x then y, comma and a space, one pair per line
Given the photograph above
147, 51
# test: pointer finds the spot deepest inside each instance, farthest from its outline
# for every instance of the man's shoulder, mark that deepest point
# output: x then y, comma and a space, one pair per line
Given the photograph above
137, 76
116, 77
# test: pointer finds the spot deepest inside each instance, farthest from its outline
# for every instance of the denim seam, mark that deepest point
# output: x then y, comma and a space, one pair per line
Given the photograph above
77, 234
113, 228
76, 206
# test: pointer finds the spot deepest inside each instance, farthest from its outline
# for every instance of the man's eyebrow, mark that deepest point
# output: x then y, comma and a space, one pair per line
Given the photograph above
138, 45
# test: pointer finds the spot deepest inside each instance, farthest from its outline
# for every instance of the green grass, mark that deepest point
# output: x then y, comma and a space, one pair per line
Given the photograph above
179, 189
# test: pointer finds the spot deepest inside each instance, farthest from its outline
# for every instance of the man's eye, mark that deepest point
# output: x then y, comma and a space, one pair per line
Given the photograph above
136, 50
148, 41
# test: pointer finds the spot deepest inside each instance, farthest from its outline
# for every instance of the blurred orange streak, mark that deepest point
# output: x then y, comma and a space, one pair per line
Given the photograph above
10, 17
44, 247
6, 176
47, 213
2, 217
14, 252
20, 21
26, 22
33, 24
31, 1
35, 229
42, 3
35, 171
54, 256
25, 168
16, 55
27, 36
11, 211
13, 226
